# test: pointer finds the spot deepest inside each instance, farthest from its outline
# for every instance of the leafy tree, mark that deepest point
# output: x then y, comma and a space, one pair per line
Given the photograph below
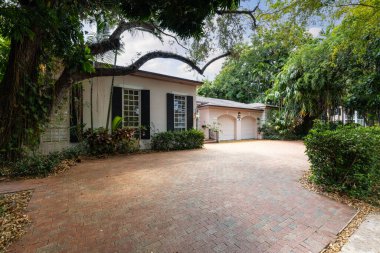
248, 77
4, 51
341, 69
47, 38
358, 52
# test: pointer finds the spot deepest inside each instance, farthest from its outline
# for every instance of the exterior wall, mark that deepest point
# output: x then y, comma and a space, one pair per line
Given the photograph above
208, 115
56, 135
204, 119
158, 90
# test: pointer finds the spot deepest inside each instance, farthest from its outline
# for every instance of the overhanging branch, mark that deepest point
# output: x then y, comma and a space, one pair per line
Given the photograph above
121, 71
113, 41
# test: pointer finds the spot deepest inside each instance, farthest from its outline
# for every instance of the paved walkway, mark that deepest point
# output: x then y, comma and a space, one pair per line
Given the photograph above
367, 238
232, 197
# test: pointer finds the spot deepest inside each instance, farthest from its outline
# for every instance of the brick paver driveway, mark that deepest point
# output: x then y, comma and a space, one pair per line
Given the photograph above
231, 197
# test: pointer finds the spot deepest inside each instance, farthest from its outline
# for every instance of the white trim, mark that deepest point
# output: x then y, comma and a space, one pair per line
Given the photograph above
180, 93
129, 86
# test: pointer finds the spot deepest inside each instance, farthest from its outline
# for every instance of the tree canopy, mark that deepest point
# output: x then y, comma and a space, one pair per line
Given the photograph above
46, 38
308, 77
341, 69
246, 78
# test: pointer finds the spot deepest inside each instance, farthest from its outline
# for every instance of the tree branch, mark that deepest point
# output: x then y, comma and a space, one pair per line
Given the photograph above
244, 12
171, 36
358, 4
121, 71
113, 41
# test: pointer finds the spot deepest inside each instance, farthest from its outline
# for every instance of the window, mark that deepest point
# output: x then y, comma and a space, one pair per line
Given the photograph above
179, 113
131, 105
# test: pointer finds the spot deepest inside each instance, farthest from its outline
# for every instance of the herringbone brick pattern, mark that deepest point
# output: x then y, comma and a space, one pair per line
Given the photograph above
233, 197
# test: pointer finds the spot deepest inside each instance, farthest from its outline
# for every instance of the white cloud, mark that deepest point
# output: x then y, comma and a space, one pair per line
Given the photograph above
213, 70
315, 31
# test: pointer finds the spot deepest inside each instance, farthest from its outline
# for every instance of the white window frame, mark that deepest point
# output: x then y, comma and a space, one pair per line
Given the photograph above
185, 113
139, 106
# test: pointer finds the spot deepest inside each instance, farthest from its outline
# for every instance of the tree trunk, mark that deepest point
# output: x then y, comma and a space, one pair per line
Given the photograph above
307, 123
22, 69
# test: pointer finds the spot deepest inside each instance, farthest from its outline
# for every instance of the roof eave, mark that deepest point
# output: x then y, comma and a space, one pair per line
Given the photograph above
230, 107
161, 77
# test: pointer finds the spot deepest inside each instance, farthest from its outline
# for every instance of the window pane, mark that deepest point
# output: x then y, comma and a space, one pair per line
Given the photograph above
131, 108
179, 113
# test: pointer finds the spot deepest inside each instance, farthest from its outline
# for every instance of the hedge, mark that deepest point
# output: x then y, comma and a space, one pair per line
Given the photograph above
177, 140
346, 158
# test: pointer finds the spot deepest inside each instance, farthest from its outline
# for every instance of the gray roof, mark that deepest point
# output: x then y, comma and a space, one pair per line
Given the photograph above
153, 75
204, 101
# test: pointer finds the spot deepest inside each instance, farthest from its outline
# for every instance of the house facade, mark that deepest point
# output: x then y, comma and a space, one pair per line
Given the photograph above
154, 101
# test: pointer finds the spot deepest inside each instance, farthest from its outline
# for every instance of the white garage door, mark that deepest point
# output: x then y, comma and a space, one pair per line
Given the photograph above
227, 126
248, 128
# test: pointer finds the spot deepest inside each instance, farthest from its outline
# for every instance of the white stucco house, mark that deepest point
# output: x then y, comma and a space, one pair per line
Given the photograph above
236, 121
157, 102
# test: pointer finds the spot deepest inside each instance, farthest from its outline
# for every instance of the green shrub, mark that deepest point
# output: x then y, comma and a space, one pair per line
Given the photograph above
178, 140
279, 127
73, 152
36, 164
100, 142
346, 158
128, 146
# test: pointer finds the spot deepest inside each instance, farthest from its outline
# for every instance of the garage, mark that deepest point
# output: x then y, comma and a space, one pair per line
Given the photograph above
227, 127
248, 128
237, 121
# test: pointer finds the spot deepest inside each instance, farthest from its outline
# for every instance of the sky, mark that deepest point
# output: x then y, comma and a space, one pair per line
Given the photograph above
140, 43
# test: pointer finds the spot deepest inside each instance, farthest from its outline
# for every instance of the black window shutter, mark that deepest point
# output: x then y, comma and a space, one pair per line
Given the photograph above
189, 112
145, 114
117, 102
170, 112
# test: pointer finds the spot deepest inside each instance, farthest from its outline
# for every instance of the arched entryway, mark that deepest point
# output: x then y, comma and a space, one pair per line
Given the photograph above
248, 128
227, 127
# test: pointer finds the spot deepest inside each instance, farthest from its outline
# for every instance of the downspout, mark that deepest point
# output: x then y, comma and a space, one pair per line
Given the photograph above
91, 114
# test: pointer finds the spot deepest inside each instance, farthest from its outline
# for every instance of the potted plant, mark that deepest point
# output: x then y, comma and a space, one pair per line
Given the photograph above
214, 127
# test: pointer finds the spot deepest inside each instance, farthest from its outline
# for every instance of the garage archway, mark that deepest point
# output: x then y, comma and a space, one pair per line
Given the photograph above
227, 127
248, 128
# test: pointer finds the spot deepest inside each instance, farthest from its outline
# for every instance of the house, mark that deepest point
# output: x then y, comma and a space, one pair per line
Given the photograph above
155, 101
236, 121
340, 114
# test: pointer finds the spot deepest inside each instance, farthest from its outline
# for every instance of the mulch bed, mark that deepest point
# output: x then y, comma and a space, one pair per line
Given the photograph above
363, 210
13, 219
64, 165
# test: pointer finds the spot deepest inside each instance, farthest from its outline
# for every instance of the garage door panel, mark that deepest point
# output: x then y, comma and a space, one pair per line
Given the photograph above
248, 128
227, 127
